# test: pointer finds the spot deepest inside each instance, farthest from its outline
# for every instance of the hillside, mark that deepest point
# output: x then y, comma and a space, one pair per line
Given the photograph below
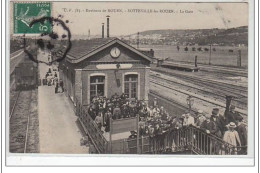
232, 36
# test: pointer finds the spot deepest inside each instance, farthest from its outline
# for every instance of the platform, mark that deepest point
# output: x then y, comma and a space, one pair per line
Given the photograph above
181, 67
215, 68
58, 131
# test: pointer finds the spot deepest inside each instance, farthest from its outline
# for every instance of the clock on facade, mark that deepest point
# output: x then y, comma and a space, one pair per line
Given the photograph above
115, 52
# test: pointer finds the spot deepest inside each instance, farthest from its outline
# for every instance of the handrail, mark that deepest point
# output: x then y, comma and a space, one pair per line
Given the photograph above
194, 139
99, 141
189, 138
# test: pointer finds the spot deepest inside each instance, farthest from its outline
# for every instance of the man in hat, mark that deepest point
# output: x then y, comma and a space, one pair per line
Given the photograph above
141, 125
132, 109
220, 122
133, 135
188, 119
231, 136
61, 85
123, 97
242, 132
156, 111
99, 120
209, 126
150, 111
125, 111
116, 112
55, 74
200, 118
232, 115
56, 87
46, 75
91, 112
151, 130
155, 102
157, 129
107, 117
176, 123
164, 115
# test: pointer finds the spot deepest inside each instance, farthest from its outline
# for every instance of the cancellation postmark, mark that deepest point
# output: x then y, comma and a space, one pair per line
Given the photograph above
38, 30
57, 44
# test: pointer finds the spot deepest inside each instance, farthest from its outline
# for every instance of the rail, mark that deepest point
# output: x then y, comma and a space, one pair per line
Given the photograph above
222, 85
217, 103
12, 110
221, 95
20, 119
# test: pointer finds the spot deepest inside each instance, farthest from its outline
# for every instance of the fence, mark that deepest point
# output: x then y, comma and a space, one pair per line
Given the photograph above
99, 141
184, 140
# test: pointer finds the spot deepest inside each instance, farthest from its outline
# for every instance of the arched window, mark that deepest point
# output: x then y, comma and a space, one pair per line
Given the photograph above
97, 86
131, 84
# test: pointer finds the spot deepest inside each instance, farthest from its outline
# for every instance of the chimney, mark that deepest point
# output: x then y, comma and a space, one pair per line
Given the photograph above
89, 34
107, 26
138, 40
103, 34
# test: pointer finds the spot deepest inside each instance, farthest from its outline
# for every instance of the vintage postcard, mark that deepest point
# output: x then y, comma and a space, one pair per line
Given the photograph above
142, 78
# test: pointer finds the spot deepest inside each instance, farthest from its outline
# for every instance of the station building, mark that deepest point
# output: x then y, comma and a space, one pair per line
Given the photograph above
104, 66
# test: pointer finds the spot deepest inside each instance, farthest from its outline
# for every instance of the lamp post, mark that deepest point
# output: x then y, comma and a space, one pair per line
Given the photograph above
116, 77
190, 102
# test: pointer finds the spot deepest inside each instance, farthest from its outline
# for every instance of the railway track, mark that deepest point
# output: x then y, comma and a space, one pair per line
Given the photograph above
14, 104
207, 100
236, 91
172, 103
220, 95
19, 121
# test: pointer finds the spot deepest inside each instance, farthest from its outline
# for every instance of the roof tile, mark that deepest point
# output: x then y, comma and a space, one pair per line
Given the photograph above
81, 48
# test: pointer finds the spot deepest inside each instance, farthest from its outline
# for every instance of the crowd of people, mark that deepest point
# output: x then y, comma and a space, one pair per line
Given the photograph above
52, 79
155, 120
101, 109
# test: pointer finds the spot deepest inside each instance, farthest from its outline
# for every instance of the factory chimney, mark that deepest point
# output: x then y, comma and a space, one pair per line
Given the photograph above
107, 26
103, 34
89, 34
138, 40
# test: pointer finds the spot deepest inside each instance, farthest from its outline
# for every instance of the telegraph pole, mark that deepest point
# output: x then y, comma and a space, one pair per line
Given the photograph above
210, 54
239, 60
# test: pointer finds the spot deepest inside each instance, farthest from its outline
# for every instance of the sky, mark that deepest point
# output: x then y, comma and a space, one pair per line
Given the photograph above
128, 21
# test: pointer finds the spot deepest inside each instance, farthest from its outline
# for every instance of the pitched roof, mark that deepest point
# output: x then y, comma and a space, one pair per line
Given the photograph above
82, 49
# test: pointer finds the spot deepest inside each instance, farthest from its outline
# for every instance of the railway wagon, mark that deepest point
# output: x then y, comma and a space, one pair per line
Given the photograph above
26, 75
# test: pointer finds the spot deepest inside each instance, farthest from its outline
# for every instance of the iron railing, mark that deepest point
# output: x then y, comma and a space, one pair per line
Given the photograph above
189, 139
95, 134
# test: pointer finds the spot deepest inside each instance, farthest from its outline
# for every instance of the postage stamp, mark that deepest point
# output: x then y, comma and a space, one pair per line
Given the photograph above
25, 13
